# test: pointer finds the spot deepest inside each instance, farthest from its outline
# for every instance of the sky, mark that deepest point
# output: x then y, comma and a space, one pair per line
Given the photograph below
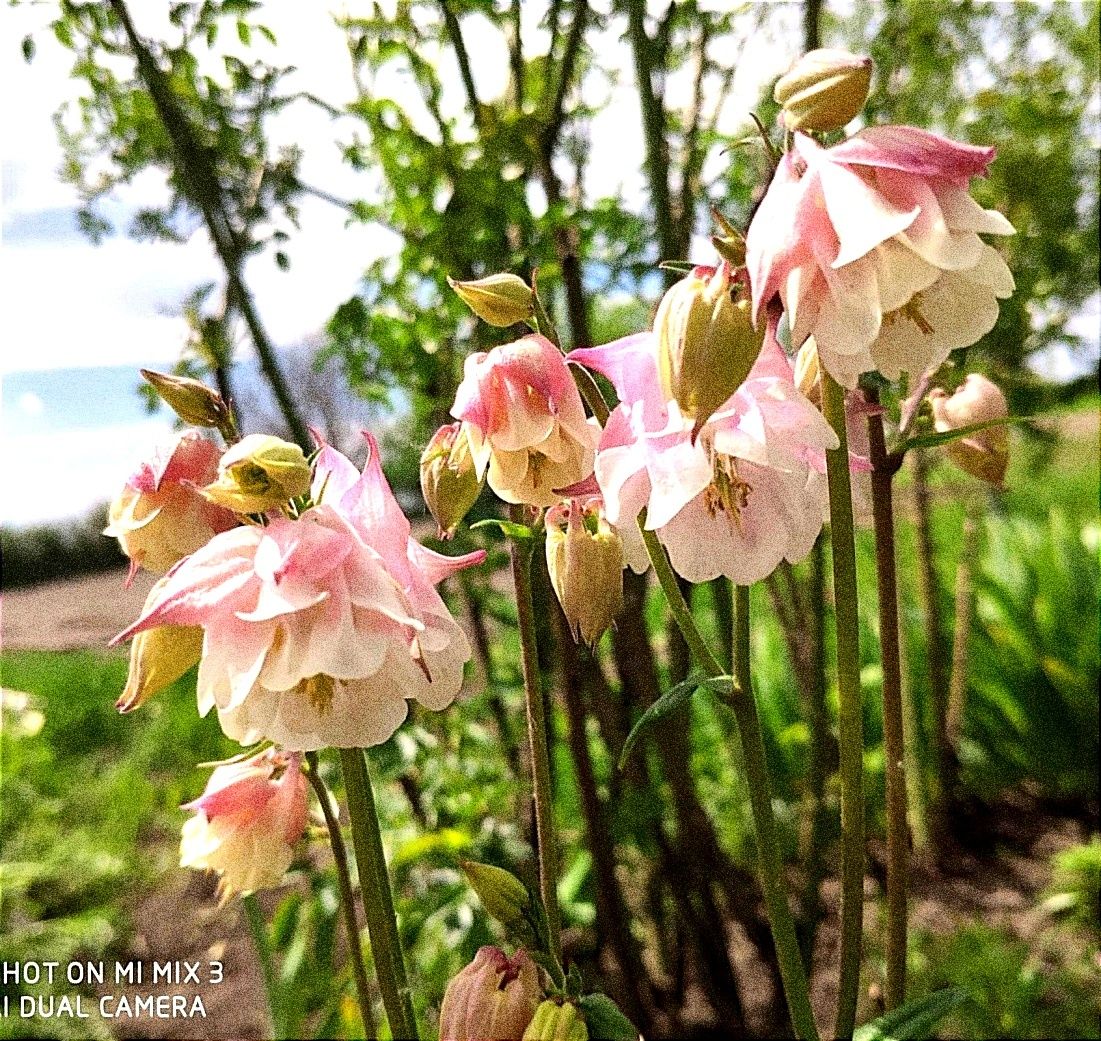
67, 304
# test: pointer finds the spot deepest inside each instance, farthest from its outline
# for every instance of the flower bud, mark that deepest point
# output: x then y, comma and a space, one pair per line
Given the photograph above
192, 401
492, 999
585, 561
449, 477
502, 894
159, 657
824, 89
706, 343
500, 300
259, 473
554, 1022
985, 453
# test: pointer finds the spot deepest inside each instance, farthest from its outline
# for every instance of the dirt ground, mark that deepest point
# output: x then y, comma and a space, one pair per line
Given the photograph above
997, 880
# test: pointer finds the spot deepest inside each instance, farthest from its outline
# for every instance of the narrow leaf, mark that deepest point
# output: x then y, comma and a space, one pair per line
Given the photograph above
670, 702
947, 436
913, 1021
681, 266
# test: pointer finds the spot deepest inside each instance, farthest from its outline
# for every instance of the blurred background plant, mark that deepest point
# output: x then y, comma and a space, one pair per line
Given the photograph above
658, 893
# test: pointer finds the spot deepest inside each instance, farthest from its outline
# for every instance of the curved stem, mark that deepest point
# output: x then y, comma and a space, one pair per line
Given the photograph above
546, 836
376, 895
850, 714
894, 751
347, 898
769, 861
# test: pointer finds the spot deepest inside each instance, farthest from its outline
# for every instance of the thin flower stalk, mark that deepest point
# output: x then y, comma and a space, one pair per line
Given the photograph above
347, 898
377, 896
850, 717
884, 468
546, 835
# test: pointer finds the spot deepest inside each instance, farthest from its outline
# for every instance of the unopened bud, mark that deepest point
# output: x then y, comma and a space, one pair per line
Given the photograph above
502, 894
706, 342
984, 453
585, 561
824, 89
557, 1022
500, 300
730, 243
449, 478
192, 401
808, 371
492, 999
259, 473
159, 657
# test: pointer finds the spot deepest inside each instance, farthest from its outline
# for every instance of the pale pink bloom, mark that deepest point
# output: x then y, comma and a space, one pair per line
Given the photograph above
247, 822
874, 248
159, 517
525, 421
985, 453
748, 492
317, 630
493, 999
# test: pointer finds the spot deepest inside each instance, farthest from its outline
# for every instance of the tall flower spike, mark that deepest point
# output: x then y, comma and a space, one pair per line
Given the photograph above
873, 246
317, 630
525, 421
247, 822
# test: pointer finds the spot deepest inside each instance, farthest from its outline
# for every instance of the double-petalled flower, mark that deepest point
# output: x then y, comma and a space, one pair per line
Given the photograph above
873, 246
526, 424
746, 493
247, 822
318, 629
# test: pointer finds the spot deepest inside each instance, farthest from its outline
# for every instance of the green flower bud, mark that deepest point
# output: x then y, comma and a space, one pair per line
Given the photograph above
586, 570
259, 473
500, 300
824, 89
502, 894
555, 1022
706, 342
449, 478
192, 401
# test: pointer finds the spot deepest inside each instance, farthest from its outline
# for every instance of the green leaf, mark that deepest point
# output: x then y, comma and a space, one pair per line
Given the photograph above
947, 436
915, 1020
670, 702
605, 1021
244, 33
28, 48
519, 532
681, 266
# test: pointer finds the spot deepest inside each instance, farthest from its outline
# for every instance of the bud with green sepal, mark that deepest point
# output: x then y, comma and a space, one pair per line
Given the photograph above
192, 401
449, 478
259, 473
824, 90
501, 300
557, 1021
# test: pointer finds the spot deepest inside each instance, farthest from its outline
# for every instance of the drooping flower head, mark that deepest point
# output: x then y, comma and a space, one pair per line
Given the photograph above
247, 822
873, 246
318, 629
159, 517
526, 424
745, 494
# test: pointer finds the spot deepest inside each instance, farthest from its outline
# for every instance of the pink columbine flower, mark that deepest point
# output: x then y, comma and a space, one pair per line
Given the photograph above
318, 629
748, 492
525, 421
159, 517
247, 822
873, 246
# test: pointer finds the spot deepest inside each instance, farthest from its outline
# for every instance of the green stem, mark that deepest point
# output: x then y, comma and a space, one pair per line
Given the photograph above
376, 894
769, 862
259, 930
894, 749
546, 837
347, 898
850, 714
